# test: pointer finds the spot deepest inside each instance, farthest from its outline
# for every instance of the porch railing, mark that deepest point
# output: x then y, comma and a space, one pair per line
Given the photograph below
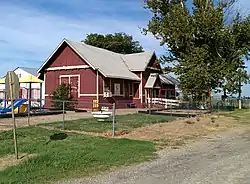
167, 103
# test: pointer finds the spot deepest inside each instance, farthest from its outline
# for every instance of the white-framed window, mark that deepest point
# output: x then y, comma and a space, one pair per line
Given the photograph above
117, 89
73, 80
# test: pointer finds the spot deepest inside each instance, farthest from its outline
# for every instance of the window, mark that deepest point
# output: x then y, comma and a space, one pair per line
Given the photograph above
106, 88
117, 89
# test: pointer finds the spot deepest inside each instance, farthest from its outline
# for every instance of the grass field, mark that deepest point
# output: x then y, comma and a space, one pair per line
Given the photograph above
123, 122
242, 116
72, 156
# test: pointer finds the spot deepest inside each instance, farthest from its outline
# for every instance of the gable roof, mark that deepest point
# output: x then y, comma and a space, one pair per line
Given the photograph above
32, 71
151, 80
138, 61
110, 64
168, 79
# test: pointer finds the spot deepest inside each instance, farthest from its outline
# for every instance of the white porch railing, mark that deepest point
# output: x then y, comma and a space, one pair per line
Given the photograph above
165, 102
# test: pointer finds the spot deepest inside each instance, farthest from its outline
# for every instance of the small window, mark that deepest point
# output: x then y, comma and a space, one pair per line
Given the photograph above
117, 89
106, 88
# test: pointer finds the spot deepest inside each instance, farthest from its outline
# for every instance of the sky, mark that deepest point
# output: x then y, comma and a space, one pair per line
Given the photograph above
31, 29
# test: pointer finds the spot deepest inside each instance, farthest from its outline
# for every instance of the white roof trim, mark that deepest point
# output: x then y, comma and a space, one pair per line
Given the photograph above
151, 80
46, 61
126, 78
68, 67
80, 55
152, 68
149, 61
75, 49
64, 40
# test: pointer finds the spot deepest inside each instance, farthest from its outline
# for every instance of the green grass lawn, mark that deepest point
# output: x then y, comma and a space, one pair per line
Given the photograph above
73, 157
243, 115
124, 122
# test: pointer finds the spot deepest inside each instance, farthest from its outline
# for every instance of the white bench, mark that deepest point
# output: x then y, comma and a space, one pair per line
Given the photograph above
102, 115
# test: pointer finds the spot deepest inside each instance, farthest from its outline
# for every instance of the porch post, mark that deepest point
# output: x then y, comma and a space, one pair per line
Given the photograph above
110, 86
97, 86
41, 96
5, 98
141, 91
152, 96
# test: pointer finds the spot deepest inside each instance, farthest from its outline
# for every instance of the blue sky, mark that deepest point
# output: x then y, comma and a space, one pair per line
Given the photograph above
31, 29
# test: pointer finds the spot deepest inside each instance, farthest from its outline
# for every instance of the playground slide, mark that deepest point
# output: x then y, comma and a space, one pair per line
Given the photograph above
17, 103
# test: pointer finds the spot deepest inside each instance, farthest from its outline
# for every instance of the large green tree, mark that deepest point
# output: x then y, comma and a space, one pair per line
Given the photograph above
118, 42
201, 47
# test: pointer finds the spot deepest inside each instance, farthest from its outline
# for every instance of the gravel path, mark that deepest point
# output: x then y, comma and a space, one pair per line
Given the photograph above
221, 159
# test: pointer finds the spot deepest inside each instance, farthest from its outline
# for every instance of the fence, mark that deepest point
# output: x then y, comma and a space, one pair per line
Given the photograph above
65, 112
165, 102
100, 111
216, 104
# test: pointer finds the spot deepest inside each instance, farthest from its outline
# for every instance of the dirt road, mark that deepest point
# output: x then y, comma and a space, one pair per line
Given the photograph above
219, 159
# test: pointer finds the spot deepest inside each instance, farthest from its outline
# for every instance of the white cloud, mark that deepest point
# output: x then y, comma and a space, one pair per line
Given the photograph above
243, 6
30, 34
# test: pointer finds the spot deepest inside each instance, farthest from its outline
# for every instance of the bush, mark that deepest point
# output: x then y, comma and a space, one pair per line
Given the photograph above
63, 93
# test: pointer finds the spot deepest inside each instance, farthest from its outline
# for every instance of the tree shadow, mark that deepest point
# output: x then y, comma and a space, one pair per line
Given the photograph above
58, 136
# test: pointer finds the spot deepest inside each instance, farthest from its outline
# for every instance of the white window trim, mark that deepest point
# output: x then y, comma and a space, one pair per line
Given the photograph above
47, 95
94, 95
79, 81
114, 94
121, 95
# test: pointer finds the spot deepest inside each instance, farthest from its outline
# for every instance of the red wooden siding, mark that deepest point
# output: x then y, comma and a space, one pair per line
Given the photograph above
67, 57
87, 80
83, 81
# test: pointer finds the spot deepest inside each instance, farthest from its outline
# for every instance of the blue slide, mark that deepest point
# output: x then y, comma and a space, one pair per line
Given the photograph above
17, 103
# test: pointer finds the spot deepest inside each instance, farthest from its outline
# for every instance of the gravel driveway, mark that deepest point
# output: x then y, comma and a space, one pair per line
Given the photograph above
220, 159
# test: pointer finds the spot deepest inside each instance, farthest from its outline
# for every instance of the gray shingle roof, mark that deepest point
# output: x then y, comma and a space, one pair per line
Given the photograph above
110, 64
32, 71
138, 61
164, 78
168, 79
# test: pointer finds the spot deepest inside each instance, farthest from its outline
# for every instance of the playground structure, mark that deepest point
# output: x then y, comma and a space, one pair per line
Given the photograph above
16, 104
21, 105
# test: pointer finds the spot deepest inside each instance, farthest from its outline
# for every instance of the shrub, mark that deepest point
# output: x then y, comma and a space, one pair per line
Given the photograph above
63, 93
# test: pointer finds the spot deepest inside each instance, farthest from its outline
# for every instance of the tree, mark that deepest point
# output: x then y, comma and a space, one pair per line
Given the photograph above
233, 82
201, 47
118, 42
63, 93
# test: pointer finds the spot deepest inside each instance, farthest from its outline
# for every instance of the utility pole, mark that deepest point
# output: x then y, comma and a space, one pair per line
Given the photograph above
239, 89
